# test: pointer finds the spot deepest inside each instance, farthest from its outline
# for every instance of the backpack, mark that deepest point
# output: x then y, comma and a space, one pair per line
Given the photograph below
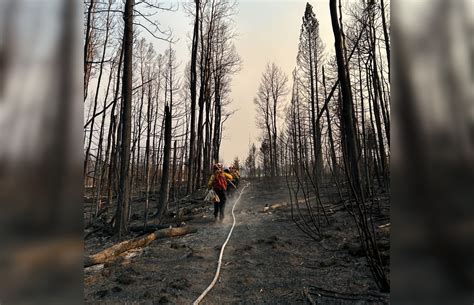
220, 182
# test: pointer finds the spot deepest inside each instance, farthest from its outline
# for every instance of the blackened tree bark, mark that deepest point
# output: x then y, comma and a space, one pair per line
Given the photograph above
168, 130
173, 171
121, 218
147, 152
164, 190
385, 34
272, 89
96, 97
99, 167
112, 135
350, 151
190, 186
335, 168
378, 99
88, 46
217, 121
347, 104
308, 61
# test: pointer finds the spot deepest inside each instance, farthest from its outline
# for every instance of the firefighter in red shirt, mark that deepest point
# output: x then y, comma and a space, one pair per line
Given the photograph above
218, 182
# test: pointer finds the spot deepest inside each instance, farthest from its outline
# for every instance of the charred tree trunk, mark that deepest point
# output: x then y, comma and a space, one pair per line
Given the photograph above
269, 132
100, 165
350, 149
347, 104
207, 142
88, 47
112, 134
173, 171
217, 121
313, 106
190, 186
378, 123
96, 97
124, 187
385, 34
335, 168
164, 190
275, 136
147, 154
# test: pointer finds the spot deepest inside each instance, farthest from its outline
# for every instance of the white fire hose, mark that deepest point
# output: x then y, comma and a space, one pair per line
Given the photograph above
219, 263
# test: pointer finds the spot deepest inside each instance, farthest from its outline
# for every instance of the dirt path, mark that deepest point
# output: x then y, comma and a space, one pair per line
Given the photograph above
260, 255
268, 260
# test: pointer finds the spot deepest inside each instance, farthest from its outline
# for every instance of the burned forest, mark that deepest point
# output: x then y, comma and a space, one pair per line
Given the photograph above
179, 95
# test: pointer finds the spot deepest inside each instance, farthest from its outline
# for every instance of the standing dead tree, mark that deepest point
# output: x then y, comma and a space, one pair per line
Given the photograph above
170, 88
250, 162
89, 44
124, 187
193, 85
115, 169
269, 102
340, 131
351, 155
309, 62
226, 62
213, 61
164, 189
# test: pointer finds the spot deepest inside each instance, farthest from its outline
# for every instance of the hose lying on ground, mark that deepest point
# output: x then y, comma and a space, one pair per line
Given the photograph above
219, 262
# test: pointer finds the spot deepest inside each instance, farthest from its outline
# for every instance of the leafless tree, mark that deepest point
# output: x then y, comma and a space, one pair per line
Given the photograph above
193, 86
269, 102
124, 187
351, 153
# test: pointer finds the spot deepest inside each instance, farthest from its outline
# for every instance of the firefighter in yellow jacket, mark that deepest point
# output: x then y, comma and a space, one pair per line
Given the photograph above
218, 182
235, 174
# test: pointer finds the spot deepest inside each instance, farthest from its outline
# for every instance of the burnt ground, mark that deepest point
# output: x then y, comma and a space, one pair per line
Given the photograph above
268, 260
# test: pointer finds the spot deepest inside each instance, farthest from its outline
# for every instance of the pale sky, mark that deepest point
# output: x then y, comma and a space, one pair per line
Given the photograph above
268, 31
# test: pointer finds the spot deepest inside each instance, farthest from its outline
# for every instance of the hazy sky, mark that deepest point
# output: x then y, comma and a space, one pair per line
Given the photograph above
268, 31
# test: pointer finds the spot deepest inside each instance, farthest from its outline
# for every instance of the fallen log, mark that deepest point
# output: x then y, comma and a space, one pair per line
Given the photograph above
277, 205
141, 241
